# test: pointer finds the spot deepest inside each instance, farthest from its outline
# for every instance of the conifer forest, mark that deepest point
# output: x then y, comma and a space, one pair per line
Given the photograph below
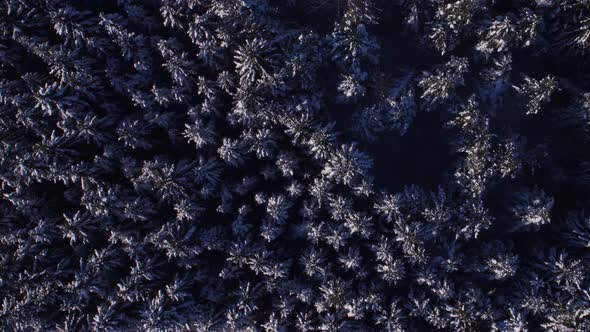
295, 165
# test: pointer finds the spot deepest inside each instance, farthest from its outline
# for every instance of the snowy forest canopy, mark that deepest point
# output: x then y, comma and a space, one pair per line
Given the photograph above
294, 165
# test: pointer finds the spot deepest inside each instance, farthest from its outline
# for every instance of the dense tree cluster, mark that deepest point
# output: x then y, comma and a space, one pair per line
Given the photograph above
203, 165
